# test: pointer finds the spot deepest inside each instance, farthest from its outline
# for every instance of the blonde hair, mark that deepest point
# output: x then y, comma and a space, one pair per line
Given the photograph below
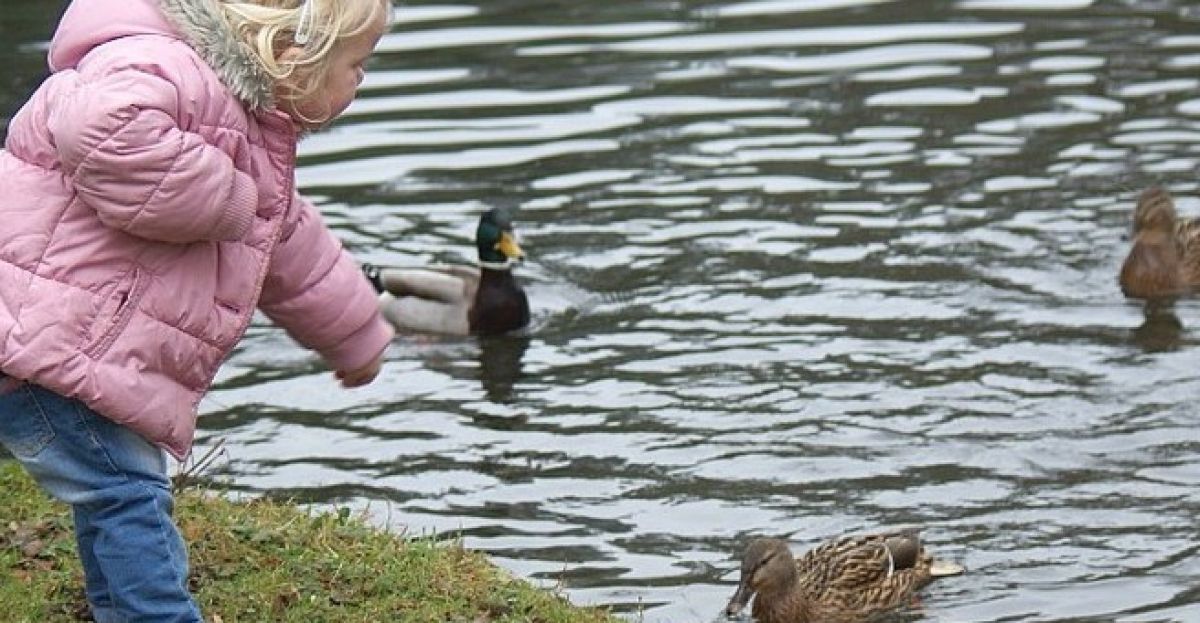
268, 27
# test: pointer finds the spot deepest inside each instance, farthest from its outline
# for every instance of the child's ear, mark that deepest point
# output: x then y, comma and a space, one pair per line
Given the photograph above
286, 57
289, 54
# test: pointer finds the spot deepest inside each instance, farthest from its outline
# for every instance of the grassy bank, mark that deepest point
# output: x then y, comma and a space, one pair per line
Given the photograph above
264, 561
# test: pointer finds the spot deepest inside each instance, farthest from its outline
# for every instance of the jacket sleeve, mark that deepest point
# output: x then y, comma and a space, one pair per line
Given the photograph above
119, 140
316, 292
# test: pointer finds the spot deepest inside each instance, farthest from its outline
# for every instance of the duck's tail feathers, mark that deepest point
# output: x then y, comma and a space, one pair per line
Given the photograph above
371, 272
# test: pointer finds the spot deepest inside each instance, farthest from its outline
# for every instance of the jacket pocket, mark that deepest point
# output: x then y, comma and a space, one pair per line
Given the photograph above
115, 313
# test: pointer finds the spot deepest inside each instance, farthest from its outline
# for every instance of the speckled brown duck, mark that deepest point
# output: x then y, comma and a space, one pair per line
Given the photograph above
840, 581
1164, 261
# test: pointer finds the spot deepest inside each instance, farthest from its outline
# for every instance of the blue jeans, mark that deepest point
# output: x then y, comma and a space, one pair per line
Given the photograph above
134, 561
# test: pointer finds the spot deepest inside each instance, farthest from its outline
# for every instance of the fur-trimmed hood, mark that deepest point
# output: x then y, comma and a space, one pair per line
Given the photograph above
90, 23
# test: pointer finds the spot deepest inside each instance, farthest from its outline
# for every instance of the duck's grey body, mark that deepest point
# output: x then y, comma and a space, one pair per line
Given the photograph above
454, 300
429, 300
459, 300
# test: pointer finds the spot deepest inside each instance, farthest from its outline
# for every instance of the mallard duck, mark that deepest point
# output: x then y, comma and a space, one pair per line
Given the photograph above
846, 579
459, 300
1164, 261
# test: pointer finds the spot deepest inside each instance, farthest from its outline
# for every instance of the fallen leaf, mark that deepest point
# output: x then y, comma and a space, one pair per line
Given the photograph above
33, 548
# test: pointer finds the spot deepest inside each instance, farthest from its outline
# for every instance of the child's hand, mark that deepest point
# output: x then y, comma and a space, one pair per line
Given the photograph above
361, 376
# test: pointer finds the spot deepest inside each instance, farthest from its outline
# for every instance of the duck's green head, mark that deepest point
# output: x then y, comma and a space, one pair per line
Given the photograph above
495, 238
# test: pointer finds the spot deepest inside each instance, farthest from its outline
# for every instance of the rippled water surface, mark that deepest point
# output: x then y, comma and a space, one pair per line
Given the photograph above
799, 268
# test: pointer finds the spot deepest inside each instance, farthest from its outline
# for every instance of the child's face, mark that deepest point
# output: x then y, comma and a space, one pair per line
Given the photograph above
344, 76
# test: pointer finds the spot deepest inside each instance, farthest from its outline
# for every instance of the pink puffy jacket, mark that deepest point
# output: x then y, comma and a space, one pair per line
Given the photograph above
148, 207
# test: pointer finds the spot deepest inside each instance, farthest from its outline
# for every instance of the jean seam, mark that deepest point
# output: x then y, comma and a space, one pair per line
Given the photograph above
82, 417
109, 603
164, 541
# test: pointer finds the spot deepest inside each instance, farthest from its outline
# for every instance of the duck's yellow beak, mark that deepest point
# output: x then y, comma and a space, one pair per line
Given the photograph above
509, 247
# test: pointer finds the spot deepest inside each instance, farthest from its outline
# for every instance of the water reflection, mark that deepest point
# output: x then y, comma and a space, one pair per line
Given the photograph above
1161, 330
500, 366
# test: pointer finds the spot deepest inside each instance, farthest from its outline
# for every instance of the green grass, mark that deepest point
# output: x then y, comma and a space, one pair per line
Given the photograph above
267, 561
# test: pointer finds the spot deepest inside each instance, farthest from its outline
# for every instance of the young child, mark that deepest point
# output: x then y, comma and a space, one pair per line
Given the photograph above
147, 191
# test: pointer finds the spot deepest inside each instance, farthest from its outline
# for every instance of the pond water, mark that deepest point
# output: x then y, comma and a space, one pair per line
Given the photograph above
799, 268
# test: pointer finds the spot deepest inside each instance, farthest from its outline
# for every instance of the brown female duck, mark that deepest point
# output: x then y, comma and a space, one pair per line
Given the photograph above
1164, 261
843, 580
459, 300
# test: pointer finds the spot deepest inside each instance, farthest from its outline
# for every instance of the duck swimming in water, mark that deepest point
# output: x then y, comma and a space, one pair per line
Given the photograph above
1164, 261
843, 580
459, 300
